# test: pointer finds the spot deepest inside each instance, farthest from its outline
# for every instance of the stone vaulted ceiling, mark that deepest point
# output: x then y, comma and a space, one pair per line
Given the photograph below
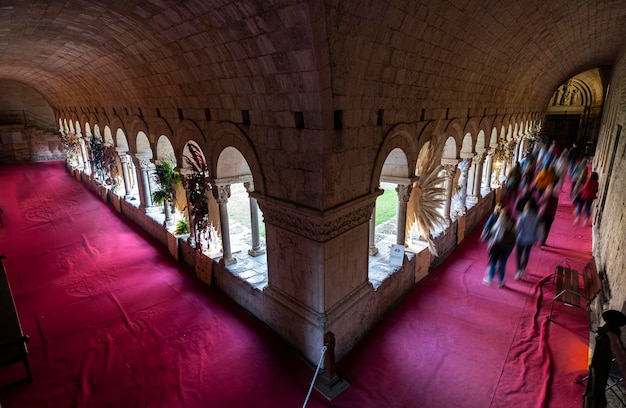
305, 55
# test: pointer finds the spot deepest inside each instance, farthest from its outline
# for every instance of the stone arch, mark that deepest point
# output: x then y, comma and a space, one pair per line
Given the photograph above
493, 138
137, 125
455, 130
143, 146
96, 131
165, 150
107, 136
481, 142
184, 132
160, 127
399, 137
471, 127
431, 130
116, 124
121, 141
450, 149
225, 135
485, 126
78, 128
467, 146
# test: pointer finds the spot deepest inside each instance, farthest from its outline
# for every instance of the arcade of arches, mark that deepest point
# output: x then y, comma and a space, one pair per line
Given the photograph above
296, 118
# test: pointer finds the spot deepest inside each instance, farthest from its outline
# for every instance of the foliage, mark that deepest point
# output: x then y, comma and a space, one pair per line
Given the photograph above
504, 150
182, 227
97, 155
386, 206
197, 185
431, 196
167, 179
71, 143
109, 155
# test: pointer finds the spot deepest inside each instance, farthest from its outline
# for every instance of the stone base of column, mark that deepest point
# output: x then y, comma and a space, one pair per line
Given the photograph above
152, 210
229, 261
256, 251
330, 386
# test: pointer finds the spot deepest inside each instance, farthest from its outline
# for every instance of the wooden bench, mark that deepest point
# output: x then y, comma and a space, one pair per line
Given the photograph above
12, 340
574, 288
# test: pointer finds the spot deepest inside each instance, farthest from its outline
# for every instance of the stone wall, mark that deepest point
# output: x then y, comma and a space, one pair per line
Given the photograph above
28, 144
609, 239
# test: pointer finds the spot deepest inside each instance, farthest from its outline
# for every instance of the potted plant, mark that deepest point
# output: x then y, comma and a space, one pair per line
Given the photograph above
166, 179
197, 185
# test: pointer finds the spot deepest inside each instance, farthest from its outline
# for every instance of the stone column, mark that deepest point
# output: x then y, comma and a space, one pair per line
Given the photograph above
463, 182
478, 176
450, 170
256, 249
222, 194
470, 182
88, 163
144, 166
124, 161
489, 169
404, 192
372, 249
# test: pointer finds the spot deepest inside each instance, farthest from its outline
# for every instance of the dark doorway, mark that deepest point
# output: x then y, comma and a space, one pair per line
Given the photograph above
562, 128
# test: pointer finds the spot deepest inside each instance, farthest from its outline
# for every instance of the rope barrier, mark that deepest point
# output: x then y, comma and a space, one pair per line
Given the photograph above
317, 369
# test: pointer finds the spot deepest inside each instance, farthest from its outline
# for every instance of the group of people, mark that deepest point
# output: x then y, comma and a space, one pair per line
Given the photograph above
529, 203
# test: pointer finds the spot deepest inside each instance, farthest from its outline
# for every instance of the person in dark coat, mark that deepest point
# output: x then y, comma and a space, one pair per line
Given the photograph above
501, 244
548, 205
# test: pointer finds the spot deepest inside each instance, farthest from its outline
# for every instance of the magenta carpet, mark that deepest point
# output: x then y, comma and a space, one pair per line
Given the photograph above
115, 322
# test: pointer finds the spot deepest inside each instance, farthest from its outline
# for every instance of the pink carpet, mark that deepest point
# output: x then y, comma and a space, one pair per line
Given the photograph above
115, 322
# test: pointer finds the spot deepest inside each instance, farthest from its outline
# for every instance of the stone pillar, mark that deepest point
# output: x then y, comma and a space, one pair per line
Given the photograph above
489, 169
144, 166
372, 239
89, 163
478, 177
256, 249
222, 194
317, 263
470, 182
404, 192
124, 161
450, 170
463, 182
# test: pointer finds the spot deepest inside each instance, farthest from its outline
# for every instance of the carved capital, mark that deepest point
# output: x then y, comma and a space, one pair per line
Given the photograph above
249, 186
450, 170
145, 164
222, 193
317, 225
404, 192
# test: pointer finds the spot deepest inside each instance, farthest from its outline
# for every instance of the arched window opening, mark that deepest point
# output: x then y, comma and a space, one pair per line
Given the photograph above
241, 225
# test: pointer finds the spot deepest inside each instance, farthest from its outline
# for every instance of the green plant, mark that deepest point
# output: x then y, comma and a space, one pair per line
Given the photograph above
182, 227
386, 205
167, 179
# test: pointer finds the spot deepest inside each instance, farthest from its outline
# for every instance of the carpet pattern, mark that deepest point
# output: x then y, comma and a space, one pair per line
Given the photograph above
115, 322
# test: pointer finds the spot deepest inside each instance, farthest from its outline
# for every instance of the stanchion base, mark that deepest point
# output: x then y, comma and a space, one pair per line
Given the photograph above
331, 386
